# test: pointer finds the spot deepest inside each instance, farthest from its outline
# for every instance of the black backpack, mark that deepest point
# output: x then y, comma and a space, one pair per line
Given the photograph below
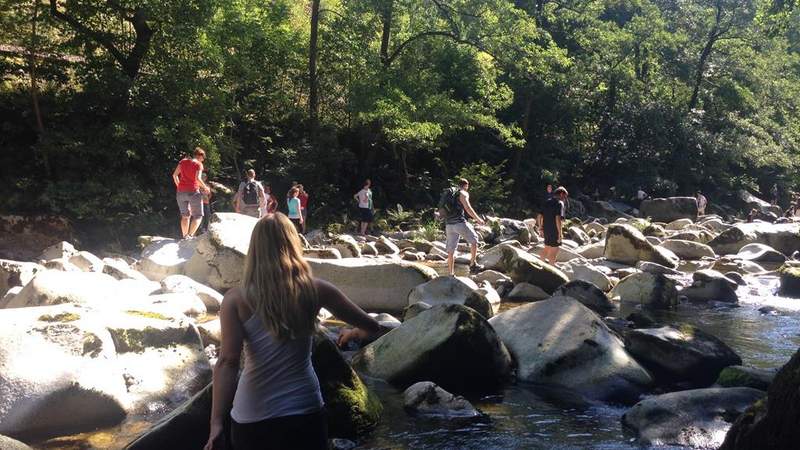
250, 194
448, 202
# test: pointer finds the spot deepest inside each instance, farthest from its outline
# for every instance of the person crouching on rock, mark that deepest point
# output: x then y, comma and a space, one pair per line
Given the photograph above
277, 403
554, 212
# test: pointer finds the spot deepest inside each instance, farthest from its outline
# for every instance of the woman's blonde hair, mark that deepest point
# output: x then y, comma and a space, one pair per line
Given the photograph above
277, 280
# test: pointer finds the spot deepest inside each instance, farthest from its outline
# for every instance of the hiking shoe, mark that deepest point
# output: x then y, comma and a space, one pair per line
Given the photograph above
475, 268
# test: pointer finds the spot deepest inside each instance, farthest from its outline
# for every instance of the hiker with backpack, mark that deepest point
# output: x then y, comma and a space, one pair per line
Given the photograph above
552, 219
453, 205
365, 211
250, 196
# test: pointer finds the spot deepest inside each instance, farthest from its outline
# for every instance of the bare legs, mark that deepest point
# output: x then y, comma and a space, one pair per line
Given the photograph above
451, 258
189, 225
364, 226
549, 255
194, 225
184, 226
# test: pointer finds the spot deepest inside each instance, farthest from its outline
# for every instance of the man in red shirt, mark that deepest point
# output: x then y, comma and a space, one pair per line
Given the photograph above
190, 187
303, 196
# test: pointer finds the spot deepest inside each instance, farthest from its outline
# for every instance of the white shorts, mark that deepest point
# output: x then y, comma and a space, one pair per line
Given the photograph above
455, 231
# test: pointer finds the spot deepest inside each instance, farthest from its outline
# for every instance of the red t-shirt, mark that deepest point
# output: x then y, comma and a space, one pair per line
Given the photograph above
187, 177
303, 200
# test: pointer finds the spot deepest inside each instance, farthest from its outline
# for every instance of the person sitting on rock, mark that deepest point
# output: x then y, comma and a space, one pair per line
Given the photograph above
456, 227
554, 213
272, 316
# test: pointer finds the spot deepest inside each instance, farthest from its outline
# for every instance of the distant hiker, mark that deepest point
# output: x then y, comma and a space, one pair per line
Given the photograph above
269, 322
303, 196
270, 204
206, 203
295, 213
365, 207
554, 212
250, 196
454, 203
774, 192
641, 196
189, 184
702, 202
548, 194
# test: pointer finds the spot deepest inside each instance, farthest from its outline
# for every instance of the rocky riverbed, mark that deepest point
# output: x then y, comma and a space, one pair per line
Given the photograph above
638, 319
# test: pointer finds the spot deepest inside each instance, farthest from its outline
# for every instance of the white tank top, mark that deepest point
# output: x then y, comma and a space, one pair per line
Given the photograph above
278, 378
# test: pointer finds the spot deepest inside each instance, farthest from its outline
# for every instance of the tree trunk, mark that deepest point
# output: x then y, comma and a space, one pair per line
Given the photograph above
32, 63
701, 65
386, 18
313, 99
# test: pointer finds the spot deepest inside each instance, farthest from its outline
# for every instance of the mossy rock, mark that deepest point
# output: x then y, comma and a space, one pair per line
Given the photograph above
352, 408
739, 376
790, 282
62, 317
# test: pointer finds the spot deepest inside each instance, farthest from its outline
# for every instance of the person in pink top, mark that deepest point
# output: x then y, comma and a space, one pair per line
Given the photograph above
188, 179
303, 196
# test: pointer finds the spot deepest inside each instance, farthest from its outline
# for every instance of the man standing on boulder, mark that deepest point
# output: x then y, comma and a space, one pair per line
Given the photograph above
554, 212
250, 196
365, 207
189, 184
456, 227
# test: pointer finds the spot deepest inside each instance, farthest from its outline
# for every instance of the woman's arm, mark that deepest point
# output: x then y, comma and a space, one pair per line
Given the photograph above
175, 175
336, 302
227, 367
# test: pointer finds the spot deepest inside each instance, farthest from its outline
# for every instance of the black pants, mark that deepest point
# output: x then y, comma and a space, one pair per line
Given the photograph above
301, 432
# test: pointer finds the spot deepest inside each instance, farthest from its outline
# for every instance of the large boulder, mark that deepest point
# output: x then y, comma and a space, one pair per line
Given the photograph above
175, 284
61, 250
771, 424
426, 398
784, 237
166, 257
561, 342
710, 285
121, 270
592, 274
455, 290
652, 290
526, 292
588, 294
762, 206
185, 428
374, 284
761, 253
351, 408
524, 267
15, 273
218, 260
688, 250
669, 209
51, 287
451, 345
87, 262
101, 366
741, 376
681, 355
347, 245
627, 245
697, 418
7, 443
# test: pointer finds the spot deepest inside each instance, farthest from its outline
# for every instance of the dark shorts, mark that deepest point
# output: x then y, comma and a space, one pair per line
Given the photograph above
297, 225
365, 215
305, 431
551, 238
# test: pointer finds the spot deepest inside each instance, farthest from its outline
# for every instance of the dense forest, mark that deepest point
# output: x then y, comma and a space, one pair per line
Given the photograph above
99, 99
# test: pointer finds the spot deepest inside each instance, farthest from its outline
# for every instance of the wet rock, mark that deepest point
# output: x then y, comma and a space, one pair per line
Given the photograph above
710, 285
15, 273
626, 245
588, 294
741, 376
432, 347
175, 284
696, 418
681, 355
771, 424
790, 282
669, 209
761, 253
526, 292
185, 428
426, 398
352, 409
688, 249
642, 320
647, 289
561, 342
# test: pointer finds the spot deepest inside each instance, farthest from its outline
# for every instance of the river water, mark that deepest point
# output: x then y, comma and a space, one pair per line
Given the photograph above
534, 417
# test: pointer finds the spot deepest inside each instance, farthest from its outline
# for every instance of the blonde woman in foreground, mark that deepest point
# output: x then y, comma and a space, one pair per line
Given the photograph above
277, 403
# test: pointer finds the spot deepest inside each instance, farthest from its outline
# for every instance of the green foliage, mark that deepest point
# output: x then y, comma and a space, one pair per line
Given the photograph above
488, 187
430, 230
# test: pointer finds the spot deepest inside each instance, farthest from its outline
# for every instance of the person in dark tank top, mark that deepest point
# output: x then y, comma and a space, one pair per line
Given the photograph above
272, 316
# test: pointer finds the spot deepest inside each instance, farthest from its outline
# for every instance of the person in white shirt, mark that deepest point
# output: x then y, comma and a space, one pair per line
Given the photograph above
365, 207
702, 202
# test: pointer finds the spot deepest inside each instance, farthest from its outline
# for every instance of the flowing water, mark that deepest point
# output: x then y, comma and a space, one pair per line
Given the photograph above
534, 417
